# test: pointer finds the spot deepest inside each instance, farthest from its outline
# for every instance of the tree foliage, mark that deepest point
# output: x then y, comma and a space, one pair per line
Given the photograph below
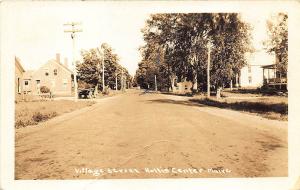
278, 40
176, 47
90, 69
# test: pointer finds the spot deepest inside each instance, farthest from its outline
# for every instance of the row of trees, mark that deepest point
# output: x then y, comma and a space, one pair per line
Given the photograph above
176, 48
90, 69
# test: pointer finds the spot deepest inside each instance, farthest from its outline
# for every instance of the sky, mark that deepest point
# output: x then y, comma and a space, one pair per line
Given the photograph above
39, 33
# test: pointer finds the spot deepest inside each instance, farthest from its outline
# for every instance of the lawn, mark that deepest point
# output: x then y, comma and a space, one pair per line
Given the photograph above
271, 107
33, 112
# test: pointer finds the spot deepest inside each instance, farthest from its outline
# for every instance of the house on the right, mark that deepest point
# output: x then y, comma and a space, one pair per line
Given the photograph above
273, 78
261, 70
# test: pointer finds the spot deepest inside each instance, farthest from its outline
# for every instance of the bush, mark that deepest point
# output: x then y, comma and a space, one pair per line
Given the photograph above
44, 89
24, 123
38, 116
106, 91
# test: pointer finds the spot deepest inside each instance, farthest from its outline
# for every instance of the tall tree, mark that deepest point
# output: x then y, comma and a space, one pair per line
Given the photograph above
277, 43
181, 42
90, 69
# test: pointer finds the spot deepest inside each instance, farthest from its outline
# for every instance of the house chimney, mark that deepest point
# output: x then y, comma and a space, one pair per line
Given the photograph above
58, 58
66, 62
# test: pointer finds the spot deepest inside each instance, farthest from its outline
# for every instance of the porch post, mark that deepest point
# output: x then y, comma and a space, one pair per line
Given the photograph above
268, 76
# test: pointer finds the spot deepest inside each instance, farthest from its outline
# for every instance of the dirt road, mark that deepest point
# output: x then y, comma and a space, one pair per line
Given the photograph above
146, 135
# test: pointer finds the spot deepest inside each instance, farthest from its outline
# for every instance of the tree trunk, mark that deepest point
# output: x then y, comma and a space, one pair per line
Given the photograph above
96, 90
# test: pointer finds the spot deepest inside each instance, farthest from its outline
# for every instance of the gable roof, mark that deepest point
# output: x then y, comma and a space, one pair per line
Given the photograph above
28, 74
18, 64
60, 65
273, 66
260, 58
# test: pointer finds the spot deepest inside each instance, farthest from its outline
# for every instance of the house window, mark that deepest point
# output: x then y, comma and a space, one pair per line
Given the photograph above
53, 83
26, 82
19, 86
55, 72
38, 82
46, 72
250, 79
65, 83
249, 68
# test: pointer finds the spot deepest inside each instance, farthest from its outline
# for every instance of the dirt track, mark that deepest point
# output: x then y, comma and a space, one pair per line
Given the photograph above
168, 135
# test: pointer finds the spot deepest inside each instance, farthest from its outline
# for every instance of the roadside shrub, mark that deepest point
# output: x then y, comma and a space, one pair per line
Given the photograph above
106, 91
19, 124
38, 116
23, 123
44, 89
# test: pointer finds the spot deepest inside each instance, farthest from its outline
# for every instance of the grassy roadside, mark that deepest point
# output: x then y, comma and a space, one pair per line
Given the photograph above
265, 107
31, 113
266, 104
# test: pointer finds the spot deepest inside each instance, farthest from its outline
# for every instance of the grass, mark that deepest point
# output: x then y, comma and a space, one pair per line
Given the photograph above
269, 105
262, 91
272, 108
33, 112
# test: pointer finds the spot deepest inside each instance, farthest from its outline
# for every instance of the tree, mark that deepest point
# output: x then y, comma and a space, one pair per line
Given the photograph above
179, 42
90, 69
278, 40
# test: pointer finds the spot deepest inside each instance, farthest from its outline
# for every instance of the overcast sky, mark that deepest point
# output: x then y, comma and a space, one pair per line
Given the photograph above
39, 33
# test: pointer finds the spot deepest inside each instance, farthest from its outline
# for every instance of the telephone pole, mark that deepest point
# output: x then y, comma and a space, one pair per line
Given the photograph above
116, 81
208, 69
101, 53
103, 82
122, 81
73, 32
155, 83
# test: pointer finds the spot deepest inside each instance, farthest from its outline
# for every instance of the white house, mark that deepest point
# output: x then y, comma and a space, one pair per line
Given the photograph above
252, 76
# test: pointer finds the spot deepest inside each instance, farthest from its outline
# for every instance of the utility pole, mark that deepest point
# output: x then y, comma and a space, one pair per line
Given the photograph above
116, 81
122, 81
101, 53
125, 85
208, 69
155, 83
99, 76
73, 32
103, 82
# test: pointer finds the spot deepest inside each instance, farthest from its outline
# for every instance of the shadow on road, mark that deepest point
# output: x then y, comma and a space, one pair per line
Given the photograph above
147, 92
178, 102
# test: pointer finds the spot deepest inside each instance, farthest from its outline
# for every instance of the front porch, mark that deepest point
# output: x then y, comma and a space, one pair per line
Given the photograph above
273, 78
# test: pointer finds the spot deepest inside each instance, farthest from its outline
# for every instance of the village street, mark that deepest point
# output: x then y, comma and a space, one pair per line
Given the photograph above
138, 130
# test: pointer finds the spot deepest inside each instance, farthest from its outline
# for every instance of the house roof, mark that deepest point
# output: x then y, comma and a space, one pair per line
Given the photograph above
273, 66
260, 58
18, 64
28, 74
61, 65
